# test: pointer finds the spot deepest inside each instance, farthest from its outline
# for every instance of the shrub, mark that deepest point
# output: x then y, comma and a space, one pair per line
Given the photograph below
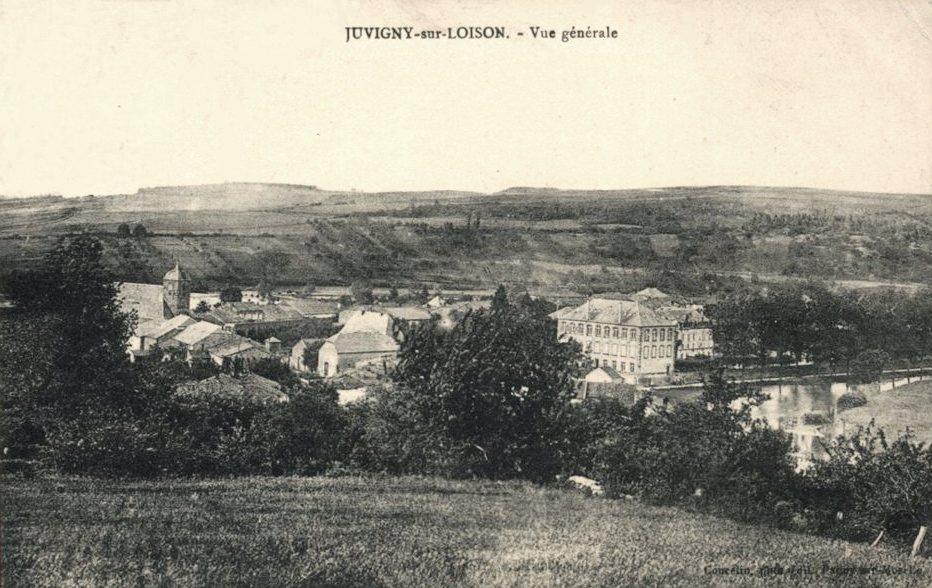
231, 294
203, 435
816, 418
301, 437
112, 443
362, 293
707, 453
210, 435
273, 369
852, 399
589, 428
876, 485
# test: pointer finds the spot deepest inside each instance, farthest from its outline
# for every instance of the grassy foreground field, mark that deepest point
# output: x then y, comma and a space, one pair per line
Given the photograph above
398, 531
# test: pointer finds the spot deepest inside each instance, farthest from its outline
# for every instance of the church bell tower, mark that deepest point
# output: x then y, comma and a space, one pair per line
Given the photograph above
176, 293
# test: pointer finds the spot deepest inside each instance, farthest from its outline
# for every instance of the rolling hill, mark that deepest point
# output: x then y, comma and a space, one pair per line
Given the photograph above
228, 233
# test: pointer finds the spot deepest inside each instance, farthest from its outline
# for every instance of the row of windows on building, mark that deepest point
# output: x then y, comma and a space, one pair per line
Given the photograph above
648, 351
697, 345
689, 336
616, 365
650, 334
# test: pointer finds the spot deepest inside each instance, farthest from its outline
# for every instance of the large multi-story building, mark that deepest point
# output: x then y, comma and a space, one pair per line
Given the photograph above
694, 331
627, 335
640, 335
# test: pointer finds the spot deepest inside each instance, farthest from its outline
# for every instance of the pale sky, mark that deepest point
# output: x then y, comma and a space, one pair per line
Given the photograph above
106, 97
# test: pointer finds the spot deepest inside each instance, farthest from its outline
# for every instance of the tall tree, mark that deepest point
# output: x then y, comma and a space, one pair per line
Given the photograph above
362, 293
488, 397
75, 297
231, 294
500, 299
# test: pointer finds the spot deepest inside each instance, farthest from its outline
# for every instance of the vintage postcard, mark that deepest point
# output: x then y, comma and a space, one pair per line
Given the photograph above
465, 293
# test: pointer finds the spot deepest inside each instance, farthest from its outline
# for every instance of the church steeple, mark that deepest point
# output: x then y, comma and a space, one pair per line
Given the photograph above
176, 293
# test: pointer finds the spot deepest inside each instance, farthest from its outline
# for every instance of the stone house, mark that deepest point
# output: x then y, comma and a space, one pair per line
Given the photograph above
625, 335
347, 349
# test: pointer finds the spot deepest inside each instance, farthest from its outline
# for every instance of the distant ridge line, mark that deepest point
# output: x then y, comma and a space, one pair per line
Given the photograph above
510, 191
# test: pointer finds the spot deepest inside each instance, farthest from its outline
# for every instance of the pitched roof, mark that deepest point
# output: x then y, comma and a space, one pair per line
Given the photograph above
472, 305
677, 314
243, 312
311, 308
453, 313
368, 321
306, 342
407, 313
145, 299
648, 293
363, 374
238, 346
246, 387
196, 333
176, 323
363, 342
216, 339
614, 312
401, 313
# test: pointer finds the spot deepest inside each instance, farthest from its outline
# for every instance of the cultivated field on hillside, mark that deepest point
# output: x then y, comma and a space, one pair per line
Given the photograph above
400, 532
592, 239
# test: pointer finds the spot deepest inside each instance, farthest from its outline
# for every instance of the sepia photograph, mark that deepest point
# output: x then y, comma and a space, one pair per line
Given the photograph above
410, 293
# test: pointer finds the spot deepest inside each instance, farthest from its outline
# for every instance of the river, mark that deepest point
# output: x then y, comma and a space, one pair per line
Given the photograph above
787, 404
791, 401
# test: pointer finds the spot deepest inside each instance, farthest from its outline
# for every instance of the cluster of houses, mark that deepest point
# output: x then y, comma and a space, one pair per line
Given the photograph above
228, 332
632, 339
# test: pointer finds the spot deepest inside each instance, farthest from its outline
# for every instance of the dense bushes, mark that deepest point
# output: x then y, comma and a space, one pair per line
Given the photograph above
876, 485
712, 456
112, 443
203, 435
690, 451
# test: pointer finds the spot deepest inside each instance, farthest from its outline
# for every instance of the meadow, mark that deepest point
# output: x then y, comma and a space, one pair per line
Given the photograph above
895, 410
352, 531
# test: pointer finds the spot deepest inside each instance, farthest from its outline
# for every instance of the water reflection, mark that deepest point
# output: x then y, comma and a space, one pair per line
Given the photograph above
807, 410
788, 404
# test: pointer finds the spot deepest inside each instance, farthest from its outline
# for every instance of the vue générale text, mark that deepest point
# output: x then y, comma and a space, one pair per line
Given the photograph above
403, 33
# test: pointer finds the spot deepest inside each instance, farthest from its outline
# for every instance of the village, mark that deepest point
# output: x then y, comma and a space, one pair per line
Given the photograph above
608, 294
632, 340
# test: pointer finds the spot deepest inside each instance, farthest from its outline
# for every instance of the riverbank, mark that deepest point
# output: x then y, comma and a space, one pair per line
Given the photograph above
799, 377
401, 532
895, 410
